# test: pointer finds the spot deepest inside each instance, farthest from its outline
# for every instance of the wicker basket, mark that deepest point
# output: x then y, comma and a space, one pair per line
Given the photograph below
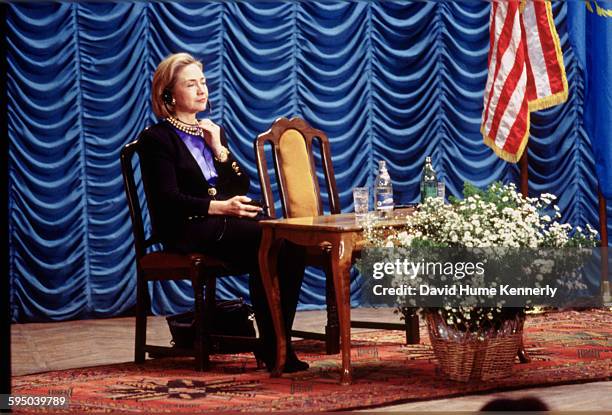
473, 359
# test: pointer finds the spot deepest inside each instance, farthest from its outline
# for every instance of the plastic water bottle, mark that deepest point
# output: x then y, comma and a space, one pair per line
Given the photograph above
383, 191
429, 181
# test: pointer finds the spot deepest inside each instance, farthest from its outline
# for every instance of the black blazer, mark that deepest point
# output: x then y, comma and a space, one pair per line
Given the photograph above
176, 189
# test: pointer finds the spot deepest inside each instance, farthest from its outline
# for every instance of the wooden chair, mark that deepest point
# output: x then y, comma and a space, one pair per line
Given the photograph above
291, 141
200, 269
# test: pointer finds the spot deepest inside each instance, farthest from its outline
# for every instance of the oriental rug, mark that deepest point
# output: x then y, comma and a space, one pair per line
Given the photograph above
565, 347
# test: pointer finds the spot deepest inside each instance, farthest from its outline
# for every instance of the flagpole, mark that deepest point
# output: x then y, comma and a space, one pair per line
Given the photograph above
603, 232
524, 173
524, 183
603, 219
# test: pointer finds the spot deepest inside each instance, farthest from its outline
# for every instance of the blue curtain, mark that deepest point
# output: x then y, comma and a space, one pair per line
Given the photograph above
386, 80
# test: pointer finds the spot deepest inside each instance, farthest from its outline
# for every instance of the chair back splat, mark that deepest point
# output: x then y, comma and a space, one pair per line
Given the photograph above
131, 192
292, 142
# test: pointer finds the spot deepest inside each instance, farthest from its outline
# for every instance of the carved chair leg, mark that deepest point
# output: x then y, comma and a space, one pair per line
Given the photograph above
199, 323
142, 307
332, 331
210, 303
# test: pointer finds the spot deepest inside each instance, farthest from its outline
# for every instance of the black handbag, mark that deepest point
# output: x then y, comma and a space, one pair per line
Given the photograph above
232, 318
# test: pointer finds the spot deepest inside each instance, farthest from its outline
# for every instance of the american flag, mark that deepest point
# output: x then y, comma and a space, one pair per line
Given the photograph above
526, 73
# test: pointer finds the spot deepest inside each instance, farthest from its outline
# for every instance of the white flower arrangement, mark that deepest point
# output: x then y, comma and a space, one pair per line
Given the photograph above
498, 216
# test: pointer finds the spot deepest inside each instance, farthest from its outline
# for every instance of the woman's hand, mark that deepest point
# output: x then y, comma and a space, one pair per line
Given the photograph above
236, 206
212, 135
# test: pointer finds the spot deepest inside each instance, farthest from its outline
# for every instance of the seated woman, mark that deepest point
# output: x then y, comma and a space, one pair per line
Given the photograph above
196, 194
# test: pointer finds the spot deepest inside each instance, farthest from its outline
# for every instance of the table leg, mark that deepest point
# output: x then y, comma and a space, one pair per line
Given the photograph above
341, 264
268, 255
332, 333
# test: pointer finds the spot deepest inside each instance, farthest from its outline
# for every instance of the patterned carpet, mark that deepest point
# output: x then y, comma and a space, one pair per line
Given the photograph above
566, 347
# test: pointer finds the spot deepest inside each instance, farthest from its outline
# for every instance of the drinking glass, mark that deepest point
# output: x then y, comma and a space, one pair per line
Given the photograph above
361, 198
441, 190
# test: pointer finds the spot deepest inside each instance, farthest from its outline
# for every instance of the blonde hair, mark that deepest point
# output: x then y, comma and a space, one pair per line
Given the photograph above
165, 78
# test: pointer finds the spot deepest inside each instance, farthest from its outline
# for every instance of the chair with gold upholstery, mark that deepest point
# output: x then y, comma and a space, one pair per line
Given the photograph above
292, 142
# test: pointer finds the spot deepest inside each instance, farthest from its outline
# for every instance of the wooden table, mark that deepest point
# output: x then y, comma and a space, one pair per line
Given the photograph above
345, 234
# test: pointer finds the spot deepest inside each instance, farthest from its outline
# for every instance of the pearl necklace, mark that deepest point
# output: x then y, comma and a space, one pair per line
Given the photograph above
193, 129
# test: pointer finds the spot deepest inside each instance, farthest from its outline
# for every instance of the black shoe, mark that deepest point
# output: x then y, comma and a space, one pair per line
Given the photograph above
292, 363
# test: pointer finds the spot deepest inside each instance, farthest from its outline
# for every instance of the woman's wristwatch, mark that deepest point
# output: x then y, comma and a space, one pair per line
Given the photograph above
223, 155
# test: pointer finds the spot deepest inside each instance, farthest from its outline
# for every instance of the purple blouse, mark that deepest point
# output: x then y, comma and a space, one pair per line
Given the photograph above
201, 153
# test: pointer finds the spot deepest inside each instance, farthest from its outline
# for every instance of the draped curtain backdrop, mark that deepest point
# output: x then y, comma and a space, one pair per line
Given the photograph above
397, 81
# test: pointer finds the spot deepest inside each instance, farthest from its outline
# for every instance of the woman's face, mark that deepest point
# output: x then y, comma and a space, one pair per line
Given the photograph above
190, 91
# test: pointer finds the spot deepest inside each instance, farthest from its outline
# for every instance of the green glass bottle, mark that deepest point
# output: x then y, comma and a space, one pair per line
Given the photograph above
429, 181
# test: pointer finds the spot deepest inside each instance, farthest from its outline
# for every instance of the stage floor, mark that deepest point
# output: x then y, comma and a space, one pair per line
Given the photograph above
41, 347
